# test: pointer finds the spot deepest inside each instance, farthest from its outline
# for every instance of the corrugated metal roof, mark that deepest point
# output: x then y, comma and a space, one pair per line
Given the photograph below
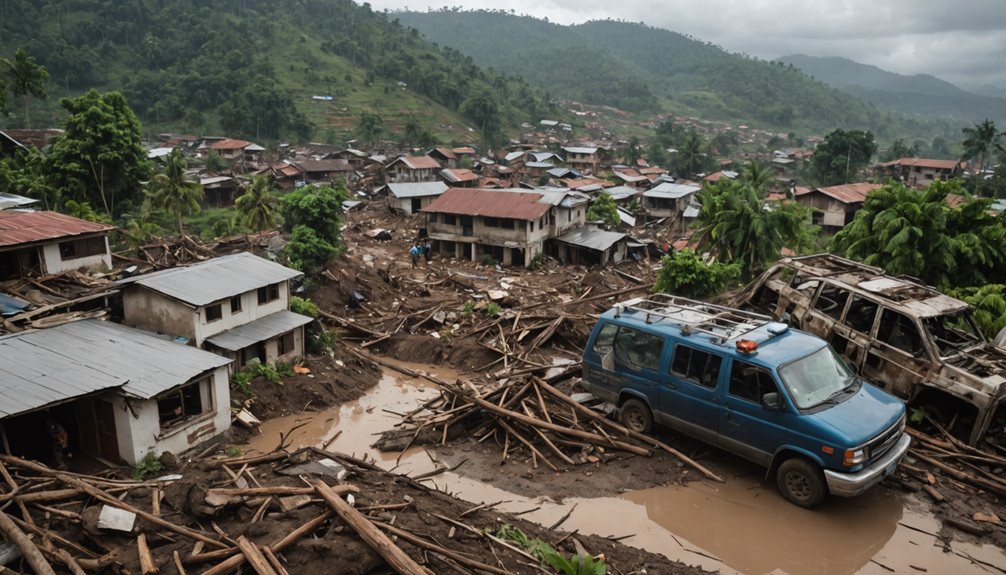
927, 163
445, 152
511, 156
229, 144
38, 368
418, 162
579, 150
672, 191
18, 227
458, 175
259, 330
14, 201
540, 165
464, 150
621, 192
592, 238
848, 193
315, 166
216, 279
417, 189
521, 205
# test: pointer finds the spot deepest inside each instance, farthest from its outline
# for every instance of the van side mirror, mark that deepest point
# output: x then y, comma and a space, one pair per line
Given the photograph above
771, 401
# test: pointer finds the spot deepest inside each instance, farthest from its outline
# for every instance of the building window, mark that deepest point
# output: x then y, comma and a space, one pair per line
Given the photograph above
235, 304
82, 248
214, 312
491, 222
268, 293
506, 223
449, 219
284, 343
184, 403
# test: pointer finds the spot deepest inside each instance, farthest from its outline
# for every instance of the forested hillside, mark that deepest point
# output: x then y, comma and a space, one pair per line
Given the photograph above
250, 67
637, 67
920, 94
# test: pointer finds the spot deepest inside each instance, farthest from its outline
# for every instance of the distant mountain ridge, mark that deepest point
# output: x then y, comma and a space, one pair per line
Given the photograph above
637, 67
919, 94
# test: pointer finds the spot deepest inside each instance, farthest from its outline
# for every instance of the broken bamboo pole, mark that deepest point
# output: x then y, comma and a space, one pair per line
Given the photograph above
255, 557
30, 551
378, 541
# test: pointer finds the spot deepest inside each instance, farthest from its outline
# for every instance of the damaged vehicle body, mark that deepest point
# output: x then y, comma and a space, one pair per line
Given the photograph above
916, 342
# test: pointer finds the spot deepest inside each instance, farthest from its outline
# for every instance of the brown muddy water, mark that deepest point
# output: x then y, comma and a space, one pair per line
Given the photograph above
742, 526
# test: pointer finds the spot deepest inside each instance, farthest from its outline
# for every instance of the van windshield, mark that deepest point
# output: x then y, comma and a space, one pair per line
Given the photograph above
818, 378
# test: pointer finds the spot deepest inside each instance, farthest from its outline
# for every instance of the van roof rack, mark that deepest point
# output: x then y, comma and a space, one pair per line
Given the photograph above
721, 322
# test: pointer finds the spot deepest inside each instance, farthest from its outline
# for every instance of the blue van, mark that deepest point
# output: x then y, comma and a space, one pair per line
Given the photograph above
738, 380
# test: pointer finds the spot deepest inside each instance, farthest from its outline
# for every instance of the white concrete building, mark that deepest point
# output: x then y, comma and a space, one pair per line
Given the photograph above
236, 305
119, 393
42, 242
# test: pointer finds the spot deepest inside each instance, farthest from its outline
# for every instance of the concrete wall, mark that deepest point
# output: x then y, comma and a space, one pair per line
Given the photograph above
139, 430
250, 311
272, 348
54, 262
569, 218
146, 309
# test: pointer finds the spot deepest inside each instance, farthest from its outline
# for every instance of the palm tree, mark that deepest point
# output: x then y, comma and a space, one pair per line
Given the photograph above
738, 225
173, 192
692, 151
757, 174
979, 140
258, 204
26, 78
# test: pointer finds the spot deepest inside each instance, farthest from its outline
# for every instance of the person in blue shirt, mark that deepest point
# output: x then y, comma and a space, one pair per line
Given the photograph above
414, 252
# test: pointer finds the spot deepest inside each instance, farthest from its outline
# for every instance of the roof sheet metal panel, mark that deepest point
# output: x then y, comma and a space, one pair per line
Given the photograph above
850, 193
591, 238
230, 144
520, 205
579, 150
459, 175
261, 329
621, 192
25, 227
215, 279
672, 191
420, 162
928, 163
315, 166
14, 201
38, 368
417, 189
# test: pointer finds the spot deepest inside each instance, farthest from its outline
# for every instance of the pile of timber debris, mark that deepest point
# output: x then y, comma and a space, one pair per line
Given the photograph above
525, 415
177, 251
304, 512
52, 300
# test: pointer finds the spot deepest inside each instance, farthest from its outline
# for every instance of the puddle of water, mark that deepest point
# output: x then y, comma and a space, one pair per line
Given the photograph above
740, 527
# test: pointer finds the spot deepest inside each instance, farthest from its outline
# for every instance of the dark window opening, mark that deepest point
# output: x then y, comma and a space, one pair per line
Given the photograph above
898, 331
506, 223
696, 365
831, 301
861, 314
268, 293
750, 382
181, 404
491, 222
449, 219
214, 312
82, 248
637, 349
284, 343
235, 304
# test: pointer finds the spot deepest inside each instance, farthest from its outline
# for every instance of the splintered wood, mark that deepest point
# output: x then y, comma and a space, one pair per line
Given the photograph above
528, 414
199, 524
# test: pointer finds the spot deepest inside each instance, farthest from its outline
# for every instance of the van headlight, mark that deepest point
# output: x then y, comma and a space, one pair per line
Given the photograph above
854, 456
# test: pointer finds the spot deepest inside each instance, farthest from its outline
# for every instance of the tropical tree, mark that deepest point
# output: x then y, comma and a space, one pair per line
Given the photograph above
369, 128
979, 140
605, 209
842, 155
738, 226
99, 157
316, 207
684, 273
690, 154
173, 192
633, 150
26, 78
757, 174
307, 251
258, 204
988, 306
141, 226
481, 107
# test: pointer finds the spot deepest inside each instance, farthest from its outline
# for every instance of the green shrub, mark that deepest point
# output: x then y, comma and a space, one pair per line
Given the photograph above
487, 260
469, 308
303, 306
242, 380
149, 464
492, 308
542, 551
684, 273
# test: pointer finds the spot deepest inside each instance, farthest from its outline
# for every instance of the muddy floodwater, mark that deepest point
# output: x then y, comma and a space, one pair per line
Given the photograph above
742, 526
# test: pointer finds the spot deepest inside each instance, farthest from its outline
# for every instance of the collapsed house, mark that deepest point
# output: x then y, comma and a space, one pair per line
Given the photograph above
236, 306
119, 393
43, 242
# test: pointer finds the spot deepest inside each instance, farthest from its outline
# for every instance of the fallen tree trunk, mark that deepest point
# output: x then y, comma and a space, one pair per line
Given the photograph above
31, 553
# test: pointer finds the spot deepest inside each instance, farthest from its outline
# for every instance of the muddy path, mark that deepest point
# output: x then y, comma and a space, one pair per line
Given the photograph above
742, 526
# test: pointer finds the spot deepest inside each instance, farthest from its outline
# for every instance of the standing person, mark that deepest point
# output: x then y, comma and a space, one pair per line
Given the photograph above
414, 252
59, 440
427, 250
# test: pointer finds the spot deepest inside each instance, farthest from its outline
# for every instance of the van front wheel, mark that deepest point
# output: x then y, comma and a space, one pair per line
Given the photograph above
801, 482
636, 416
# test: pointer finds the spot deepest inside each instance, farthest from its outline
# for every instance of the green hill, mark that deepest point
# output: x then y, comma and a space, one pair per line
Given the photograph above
250, 68
640, 68
918, 95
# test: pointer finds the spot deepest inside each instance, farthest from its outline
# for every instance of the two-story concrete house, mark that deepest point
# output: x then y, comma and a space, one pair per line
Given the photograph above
511, 225
50, 243
236, 306
920, 172
581, 158
412, 169
668, 200
834, 207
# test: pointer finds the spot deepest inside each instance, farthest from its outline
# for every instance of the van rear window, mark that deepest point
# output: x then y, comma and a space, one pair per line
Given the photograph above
633, 349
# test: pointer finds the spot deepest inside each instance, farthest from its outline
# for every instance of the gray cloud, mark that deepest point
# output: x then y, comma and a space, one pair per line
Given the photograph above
962, 42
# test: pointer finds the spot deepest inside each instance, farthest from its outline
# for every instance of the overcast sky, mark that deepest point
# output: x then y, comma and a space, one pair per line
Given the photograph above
962, 41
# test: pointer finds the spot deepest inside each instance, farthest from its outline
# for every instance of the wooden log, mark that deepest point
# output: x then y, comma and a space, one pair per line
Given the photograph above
277, 490
936, 495
114, 502
593, 437
527, 443
378, 541
238, 558
255, 557
642, 437
50, 495
147, 566
980, 482
179, 566
418, 542
31, 552
274, 561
